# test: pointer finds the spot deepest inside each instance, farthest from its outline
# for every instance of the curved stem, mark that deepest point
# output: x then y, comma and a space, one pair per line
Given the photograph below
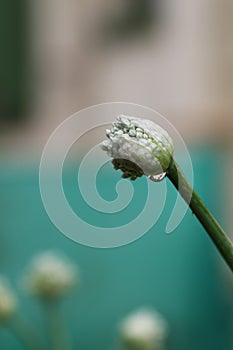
216, 233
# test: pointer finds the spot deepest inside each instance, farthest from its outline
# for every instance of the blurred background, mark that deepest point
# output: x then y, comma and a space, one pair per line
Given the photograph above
58, 57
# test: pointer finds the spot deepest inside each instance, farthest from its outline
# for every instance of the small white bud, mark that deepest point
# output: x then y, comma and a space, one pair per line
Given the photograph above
106, 145
139, 135
119, 132
143, 330
132, 132
51, 275
8, 302
124, 120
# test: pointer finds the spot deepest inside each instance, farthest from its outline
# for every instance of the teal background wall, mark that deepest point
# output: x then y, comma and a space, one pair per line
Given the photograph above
179, 274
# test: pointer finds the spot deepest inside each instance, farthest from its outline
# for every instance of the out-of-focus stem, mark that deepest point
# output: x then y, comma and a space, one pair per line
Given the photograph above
56, 326
26, 334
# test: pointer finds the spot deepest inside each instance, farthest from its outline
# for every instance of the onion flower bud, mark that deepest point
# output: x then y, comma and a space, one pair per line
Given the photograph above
139, 147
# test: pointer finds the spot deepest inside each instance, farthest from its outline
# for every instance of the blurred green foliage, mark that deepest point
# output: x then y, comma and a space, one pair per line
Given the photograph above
13, 59
134, 20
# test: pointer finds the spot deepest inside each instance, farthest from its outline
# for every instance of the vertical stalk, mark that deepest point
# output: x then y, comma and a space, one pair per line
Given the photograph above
26, 334
56, 325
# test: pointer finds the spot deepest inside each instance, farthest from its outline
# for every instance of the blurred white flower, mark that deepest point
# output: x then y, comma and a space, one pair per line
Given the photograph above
144, 329
51, 275
8, 302
141, 142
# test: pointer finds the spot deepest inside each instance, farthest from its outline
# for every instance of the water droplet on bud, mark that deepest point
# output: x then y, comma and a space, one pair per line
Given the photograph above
157, 178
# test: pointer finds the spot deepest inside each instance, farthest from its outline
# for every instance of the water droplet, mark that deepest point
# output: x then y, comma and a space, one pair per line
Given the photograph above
157, 178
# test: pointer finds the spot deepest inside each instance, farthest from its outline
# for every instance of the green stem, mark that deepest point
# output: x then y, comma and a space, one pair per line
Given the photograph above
216, 233
26, 334
56, 325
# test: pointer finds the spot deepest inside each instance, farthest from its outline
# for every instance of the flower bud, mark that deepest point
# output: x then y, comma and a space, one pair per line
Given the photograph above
143, 330
51, 275
138, 146
8, 301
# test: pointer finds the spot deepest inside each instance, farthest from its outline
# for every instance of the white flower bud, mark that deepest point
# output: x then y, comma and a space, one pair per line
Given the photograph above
51, 275
143, 330
141, 142
8, 301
